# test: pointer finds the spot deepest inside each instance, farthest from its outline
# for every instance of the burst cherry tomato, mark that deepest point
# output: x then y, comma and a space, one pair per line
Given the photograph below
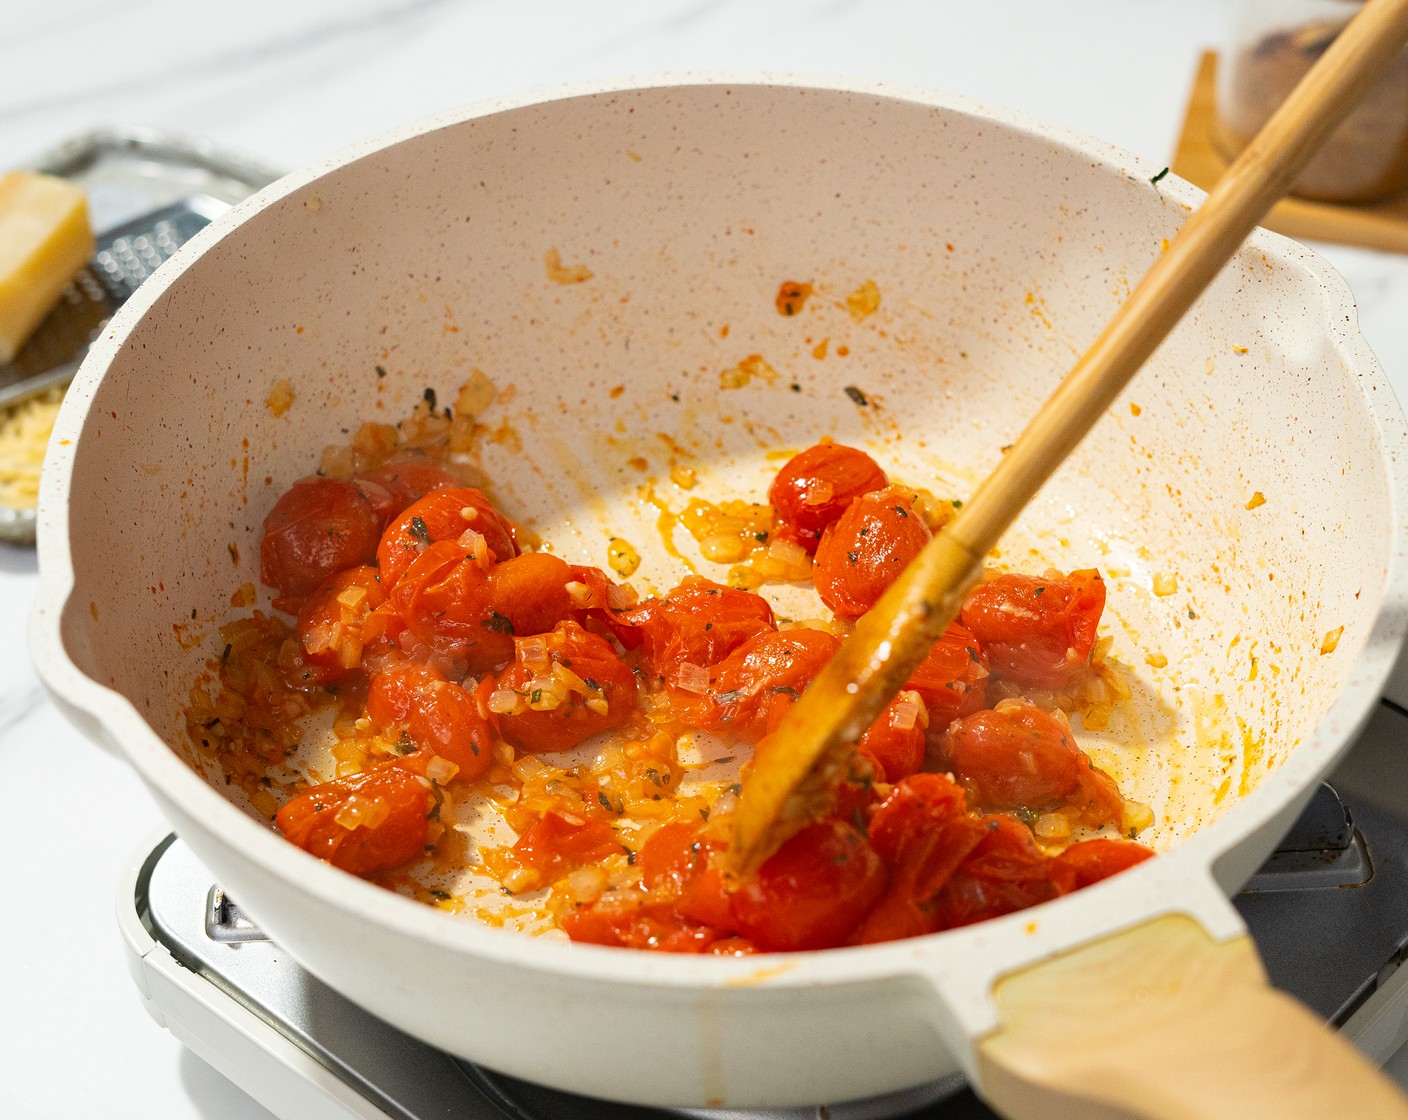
923, 831
630, 924
815, 486
812, 892
895, 741
401, 480
438, 715
700, 622
441, 608
952, 680
678, 862
530, 591
1089, 861
865, 549
442, 515
1037, 630
330, 625
1004, 872
557, 842
364, 822
1016, 756
320, 527
565, 686
750, 688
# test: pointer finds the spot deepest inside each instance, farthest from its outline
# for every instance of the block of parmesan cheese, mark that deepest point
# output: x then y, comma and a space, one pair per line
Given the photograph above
45, 240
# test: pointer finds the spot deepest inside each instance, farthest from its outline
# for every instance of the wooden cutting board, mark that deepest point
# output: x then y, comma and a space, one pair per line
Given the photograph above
1382, 225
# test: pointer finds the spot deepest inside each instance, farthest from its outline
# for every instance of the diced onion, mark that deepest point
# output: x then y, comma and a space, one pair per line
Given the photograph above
692, 678
441, 771
474, 543
505, 702
533, 652
1052, 826
905, 715
619, 596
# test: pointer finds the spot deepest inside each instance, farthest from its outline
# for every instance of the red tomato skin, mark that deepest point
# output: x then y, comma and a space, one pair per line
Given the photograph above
401, 480
923, 831
319, 527
441, 606
865, 549
1089, 861
330, 631
591, 658
439, 716
438, 517
700, 622
678, 862
655, 926
1016, 756
756, 682
815, 486
896, 751
1003, 873
530, 591
556, 843
1037, 631
812, 892
1013, 757
309, 820
952, 679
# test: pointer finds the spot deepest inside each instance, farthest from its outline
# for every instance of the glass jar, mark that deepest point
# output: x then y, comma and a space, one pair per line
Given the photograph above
1272, 45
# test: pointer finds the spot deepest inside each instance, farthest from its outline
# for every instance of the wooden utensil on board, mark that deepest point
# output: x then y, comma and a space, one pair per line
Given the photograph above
792, 780
1158, 1020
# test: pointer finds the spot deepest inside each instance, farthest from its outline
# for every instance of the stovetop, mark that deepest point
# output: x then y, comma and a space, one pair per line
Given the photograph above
1328, 910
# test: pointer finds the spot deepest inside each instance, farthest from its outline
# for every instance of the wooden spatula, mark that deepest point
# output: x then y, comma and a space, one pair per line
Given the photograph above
792, 781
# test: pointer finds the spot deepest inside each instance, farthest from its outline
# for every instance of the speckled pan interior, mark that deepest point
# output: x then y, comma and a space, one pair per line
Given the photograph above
1239, 498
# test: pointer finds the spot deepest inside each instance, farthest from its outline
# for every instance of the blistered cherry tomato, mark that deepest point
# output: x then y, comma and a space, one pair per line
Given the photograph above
364, 822
1016, 756
630, 924
759, 680
815, 486
438, 715
442, 515
923, 831
812, 892
952, 680
1037, 630
321, 526
895, 741
569, 684
865, 549
556, 843
1100, 857
441, 607
680, 863
401, 480
1004, 872
330, 625
530, 591
700, 622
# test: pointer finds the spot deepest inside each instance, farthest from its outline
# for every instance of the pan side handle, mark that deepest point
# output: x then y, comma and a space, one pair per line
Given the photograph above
1161, 1022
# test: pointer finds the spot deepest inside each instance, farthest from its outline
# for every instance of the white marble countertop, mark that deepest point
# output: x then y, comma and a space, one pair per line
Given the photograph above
288, 82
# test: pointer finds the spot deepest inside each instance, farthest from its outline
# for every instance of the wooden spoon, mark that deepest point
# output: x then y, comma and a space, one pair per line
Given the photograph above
792, 780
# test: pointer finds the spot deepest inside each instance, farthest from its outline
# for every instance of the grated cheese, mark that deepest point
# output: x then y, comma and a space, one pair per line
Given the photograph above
24, 435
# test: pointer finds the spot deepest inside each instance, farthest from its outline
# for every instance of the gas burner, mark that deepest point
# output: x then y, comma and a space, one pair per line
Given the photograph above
1328, 910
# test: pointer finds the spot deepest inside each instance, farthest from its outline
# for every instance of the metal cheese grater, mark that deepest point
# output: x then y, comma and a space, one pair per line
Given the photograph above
148, 194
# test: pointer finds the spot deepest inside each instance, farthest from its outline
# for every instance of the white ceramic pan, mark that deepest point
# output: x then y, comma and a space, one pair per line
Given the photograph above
1253, 468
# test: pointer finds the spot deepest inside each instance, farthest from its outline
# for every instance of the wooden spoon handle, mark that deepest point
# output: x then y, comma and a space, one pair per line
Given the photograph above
1160, 1022
811, 748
